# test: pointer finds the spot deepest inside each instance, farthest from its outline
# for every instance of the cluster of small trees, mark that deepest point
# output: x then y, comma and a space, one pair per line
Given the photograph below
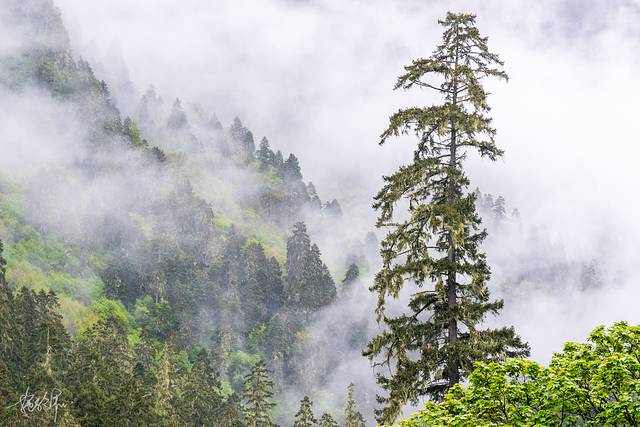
352, 417
257, 401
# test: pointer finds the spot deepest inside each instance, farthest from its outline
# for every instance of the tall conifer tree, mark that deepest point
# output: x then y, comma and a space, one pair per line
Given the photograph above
352, 417
257, 396
438, 247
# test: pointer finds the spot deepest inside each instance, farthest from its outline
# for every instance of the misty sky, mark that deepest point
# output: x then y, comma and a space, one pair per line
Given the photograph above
316, 77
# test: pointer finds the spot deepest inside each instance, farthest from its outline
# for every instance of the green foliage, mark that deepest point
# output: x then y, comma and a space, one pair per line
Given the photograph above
438, 246
144, 282
352, 417
240, 363
33, 349
326, 420
596, 383
257, 397
350, 277
304, 417
308, 284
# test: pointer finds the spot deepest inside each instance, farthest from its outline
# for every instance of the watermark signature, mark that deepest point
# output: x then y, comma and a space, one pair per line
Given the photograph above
49, 401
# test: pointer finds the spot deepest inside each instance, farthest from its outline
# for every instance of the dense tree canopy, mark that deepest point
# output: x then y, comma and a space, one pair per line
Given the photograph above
588, 384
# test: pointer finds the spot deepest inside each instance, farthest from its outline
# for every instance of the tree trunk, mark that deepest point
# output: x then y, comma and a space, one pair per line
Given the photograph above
453, 363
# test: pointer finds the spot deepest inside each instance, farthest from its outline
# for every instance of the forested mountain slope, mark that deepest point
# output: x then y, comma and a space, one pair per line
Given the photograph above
177, 247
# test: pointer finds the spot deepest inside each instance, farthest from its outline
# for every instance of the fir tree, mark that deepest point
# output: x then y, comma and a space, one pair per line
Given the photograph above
319, 289
350, 277
326, 420
262, 292
309, 283
244, 137
437, 248
265, 156
352, 417
257, 397
291, 169
177, 118
304, 416
201, 397
297, 251
314, 200
333, 208
279, 163
499, 208
487, 202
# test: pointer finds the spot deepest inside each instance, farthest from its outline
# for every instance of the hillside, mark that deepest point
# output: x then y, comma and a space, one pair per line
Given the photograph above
180, 237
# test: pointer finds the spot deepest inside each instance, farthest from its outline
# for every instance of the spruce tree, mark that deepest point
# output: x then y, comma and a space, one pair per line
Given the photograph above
438, 247
304, 416
352, 417
333, 208
499, 208
257, 397
244, 137
291, 168
319, 289
265, 156
278, 162
350, 277
309, 284
178, 118
326, 420
201, 398
297, 249
314, 200
262, 292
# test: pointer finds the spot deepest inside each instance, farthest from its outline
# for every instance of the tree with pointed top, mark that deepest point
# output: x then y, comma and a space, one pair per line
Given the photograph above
499, 208
214, 123
201, 398
333, 208
319, 289
178, 118
244, 137
279, 162
291, 168
265, 155
352, 274
314, 200
309, 284
304, 416
352, 417
437, 248
326, 420
257, 397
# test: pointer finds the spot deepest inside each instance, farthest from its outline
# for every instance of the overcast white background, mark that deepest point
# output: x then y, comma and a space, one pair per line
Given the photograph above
316, 77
